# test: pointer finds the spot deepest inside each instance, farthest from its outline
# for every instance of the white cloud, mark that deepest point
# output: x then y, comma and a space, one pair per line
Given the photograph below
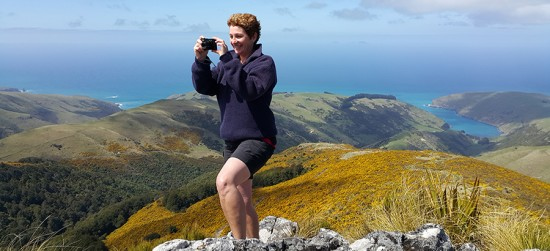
76, 23
284, 12
120, 22
316, 5
288, 29
170, 20
480, 12
4, 14
201, 27
121, 6
354, 14
144, 25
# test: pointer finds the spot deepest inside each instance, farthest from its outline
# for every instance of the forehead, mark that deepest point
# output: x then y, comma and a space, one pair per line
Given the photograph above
235, 29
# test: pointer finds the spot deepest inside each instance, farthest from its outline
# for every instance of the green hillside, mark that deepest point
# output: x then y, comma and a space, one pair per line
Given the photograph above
188, 124
505, 110
530, 133
23, 111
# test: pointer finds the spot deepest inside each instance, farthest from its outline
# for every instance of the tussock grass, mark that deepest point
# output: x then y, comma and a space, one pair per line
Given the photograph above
34, 239
507, 228
435, 198
308, 228
464, 213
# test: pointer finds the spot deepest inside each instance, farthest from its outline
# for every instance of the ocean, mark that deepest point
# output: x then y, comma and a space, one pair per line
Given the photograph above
132, 70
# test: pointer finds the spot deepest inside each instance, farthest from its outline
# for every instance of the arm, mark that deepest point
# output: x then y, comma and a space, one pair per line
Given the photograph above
204, 80
260, 78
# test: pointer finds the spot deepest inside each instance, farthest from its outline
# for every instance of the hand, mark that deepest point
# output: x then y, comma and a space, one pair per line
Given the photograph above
200, 54
221, 44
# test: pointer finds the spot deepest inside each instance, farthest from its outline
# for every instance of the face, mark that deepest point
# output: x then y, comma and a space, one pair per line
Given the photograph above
241, 42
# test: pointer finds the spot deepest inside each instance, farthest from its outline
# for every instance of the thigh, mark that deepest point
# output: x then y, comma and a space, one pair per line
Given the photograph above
234, 171
254, 153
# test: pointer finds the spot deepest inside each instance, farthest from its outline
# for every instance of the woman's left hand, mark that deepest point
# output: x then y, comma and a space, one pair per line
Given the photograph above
221, 44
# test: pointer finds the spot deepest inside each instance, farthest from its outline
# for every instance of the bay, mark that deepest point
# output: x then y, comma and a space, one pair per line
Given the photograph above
132, 72
456, 121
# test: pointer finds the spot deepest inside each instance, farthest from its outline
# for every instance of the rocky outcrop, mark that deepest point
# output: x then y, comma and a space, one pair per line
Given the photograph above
280, 234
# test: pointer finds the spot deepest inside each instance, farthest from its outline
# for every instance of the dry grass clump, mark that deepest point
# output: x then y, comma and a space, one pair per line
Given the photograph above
433, 198
308, 228
460, 210
34, 239
507, 228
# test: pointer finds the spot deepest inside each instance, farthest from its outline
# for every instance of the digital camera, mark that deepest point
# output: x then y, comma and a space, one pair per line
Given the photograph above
209, 44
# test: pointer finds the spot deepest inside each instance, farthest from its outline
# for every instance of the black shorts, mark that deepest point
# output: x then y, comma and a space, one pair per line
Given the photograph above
253, 152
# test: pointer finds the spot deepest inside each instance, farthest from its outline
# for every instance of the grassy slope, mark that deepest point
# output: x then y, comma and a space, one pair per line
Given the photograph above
147, 128
24, 111
533, 161
341, 185
180, 124
498, 108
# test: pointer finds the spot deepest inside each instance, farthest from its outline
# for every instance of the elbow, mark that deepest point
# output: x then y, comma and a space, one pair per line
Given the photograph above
205, 91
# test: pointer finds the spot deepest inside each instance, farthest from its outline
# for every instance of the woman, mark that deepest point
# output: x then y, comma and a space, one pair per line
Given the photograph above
243, 83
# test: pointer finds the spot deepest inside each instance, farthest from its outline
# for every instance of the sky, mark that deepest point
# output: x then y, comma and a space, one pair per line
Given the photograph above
305, 17
419, 42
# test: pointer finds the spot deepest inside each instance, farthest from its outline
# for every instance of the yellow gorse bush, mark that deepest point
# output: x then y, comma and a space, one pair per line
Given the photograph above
341, 187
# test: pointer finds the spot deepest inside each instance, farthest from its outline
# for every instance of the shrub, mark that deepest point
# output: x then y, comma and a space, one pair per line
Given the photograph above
151, 236
278, 175
198, 189
115, 147
172, 229
192, 232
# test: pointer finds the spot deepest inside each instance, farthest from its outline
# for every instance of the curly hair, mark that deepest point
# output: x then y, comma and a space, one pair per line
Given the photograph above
248, 22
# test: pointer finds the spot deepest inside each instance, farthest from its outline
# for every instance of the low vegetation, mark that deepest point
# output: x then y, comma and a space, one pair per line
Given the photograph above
83, 201
344, 188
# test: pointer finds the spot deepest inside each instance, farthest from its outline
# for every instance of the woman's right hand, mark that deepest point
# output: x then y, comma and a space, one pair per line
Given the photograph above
200, 53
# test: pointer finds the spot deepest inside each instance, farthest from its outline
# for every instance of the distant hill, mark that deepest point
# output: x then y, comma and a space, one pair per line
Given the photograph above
340, 186
20, 111
524, 119
362, 120
188, 124
506, 110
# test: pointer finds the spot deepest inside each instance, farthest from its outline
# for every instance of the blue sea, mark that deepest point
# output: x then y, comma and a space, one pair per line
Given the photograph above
136, 68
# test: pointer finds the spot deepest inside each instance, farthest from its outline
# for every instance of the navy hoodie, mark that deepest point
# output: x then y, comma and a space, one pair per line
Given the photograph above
243, 91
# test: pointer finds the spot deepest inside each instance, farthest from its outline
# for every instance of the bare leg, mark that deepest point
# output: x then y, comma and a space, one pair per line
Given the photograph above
234, 173
252, 224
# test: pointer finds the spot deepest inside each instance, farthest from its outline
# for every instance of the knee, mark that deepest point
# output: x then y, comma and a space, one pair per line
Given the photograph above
222, 184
